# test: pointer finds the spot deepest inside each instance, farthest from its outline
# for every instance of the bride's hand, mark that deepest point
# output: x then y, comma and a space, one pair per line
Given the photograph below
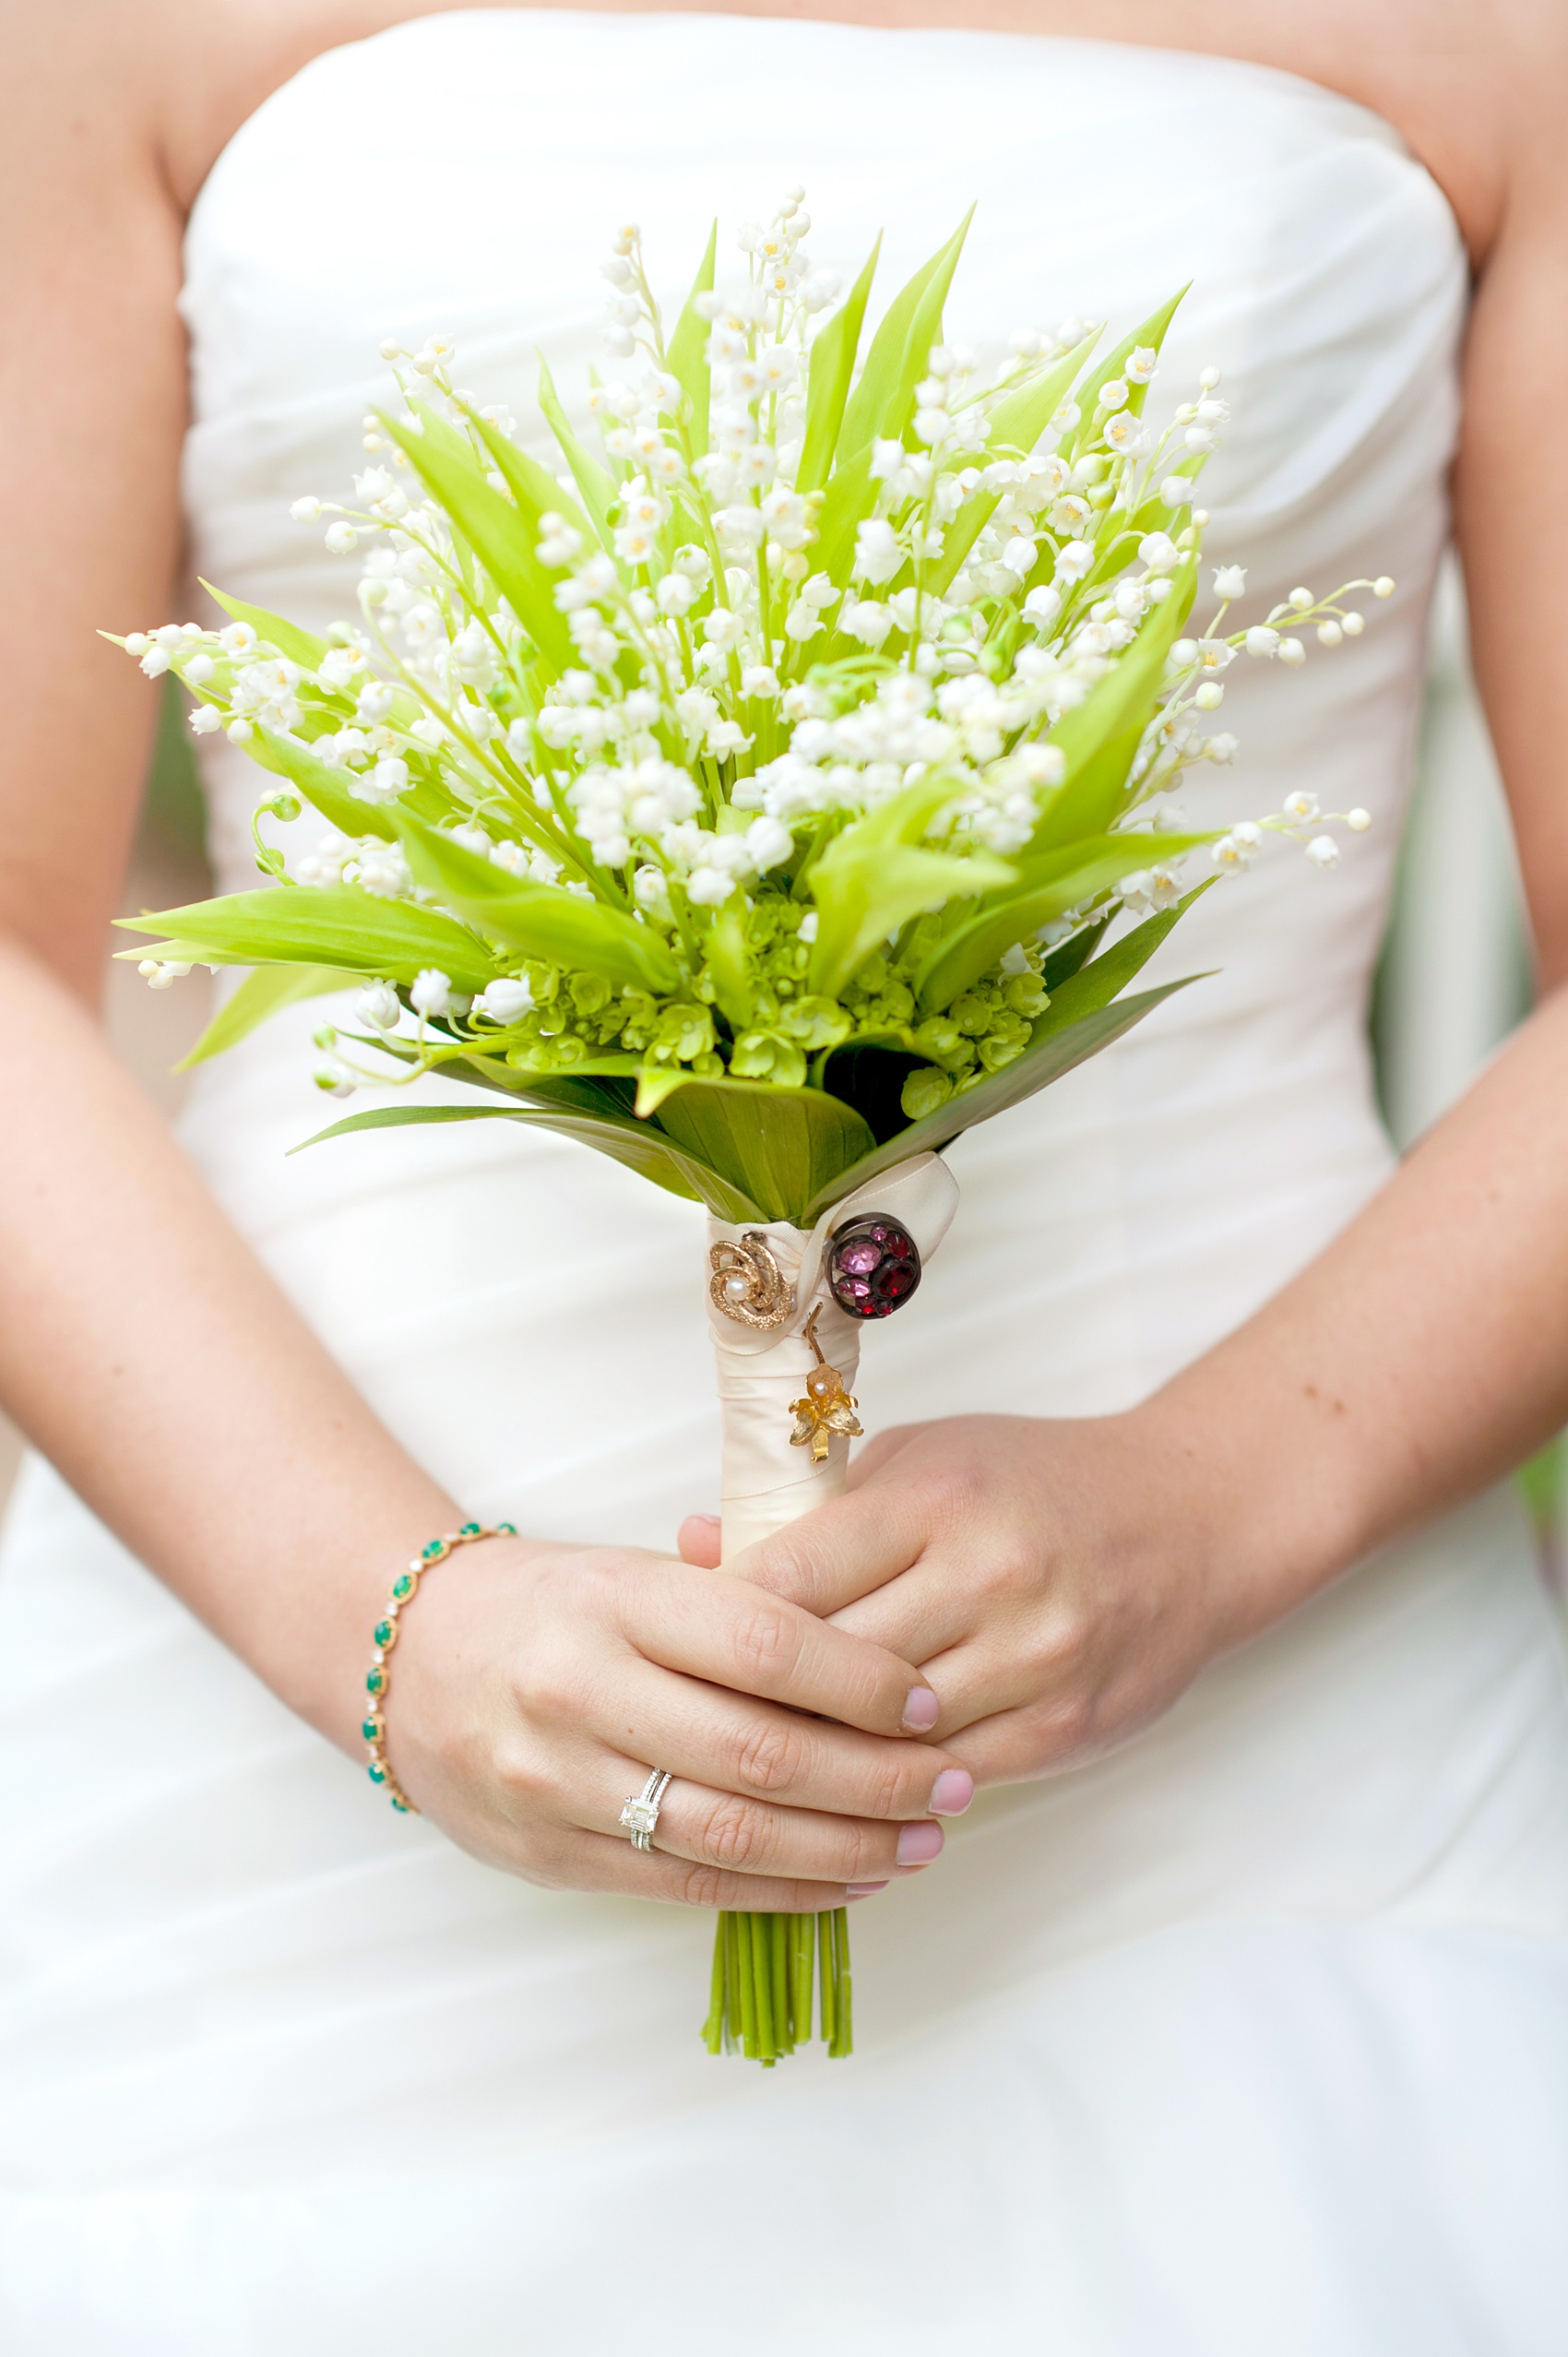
1055, 1580
535, 1685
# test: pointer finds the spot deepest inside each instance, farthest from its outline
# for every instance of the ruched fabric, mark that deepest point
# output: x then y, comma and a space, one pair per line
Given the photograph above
1253, 2036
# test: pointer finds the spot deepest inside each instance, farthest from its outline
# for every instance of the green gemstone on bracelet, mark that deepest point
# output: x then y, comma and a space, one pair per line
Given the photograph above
436, 1547
505, 1530
376, 1682
404, 1586
372, 1730
401, 1807
470, 1530
386, 1633
376, 1773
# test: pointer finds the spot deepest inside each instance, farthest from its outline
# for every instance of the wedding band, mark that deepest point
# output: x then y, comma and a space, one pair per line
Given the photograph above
640, 1815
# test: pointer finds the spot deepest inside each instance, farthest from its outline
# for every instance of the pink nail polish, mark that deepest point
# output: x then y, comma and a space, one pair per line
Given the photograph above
863, 1889
921, 1711
952, 1792
919, 1844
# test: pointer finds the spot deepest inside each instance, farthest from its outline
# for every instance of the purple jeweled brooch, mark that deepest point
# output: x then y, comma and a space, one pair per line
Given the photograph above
872, 1267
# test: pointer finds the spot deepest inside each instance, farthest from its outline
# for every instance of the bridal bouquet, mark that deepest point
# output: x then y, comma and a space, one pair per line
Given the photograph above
754, 791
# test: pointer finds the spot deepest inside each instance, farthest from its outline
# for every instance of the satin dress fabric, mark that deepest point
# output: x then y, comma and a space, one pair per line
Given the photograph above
1251, 2037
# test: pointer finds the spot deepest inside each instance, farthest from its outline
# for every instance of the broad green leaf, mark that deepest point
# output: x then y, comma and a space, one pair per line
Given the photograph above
632, 1143
827, 381
779, 1146
1049, 884
326, 788
500, 534
883, 402
873, 877
598, 487
1045, 1060
259, 996
1095, 984
334, 925
687, 348
300, 646
541, 919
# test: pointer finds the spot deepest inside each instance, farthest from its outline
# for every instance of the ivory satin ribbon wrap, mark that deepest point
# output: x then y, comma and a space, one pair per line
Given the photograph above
767, 1480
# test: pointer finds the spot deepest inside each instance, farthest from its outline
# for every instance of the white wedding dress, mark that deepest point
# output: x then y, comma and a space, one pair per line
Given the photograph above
1251, 2040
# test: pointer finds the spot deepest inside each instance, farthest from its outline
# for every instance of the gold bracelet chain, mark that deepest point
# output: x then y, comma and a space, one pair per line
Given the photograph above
378, 1683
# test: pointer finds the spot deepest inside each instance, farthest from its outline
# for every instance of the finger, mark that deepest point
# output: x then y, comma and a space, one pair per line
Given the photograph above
839, 1551
738, 1745
712, 1626
699, 1541
925, 1614
756, 1838
599, 1861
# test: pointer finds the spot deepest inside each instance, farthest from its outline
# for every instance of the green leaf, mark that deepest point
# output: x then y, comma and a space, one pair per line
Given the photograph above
1018, 424
1049, 884
873, 877
687, 348
300, 646
632, 1143
851, 496
779, 1147
598, 487
322, 787
501, 535
883, 402
1045, 1060
1152, 334
1094, 985
828, 380
1069, 955
533, 487
1111, 719
334, 925
541, 919
259, 996
1019, 418
726, 963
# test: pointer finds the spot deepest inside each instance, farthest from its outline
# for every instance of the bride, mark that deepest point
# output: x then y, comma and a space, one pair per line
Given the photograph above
1181, 1592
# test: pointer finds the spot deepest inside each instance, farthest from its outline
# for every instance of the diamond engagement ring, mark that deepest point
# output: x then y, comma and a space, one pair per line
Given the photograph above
640, 1814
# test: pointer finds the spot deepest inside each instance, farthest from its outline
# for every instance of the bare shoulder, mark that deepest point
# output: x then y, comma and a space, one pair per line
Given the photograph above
102, 90
1479, 91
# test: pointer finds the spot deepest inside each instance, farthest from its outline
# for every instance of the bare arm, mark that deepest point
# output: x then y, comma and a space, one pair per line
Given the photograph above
141, 1345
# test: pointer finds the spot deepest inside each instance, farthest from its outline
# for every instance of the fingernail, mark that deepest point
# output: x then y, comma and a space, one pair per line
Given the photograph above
863, 1889
922, 1710
952, 1792
919, 1844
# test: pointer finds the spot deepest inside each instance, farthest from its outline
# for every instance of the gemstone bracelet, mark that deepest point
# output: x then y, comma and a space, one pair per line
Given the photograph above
378, 1683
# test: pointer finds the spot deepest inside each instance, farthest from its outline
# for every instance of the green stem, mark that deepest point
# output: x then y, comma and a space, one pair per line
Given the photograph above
825, 1976
842, 2040
747, 1977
